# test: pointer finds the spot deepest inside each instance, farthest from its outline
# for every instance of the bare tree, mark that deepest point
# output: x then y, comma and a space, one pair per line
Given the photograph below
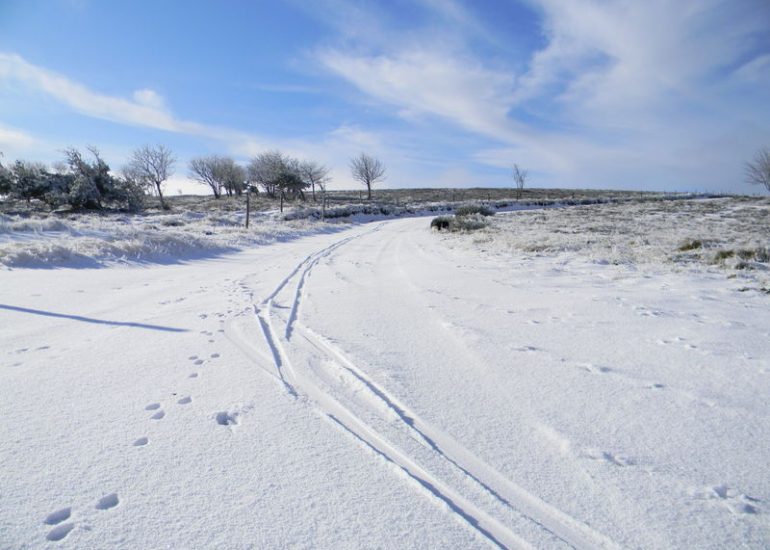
152, 166
758, 171
520, 177
315, 174
204, 170
367, 170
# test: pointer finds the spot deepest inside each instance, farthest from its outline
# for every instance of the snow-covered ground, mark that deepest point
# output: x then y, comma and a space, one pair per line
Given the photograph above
564, 378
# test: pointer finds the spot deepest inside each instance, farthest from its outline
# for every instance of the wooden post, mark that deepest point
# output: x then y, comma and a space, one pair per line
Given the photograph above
323, 206
281, 201
248, 209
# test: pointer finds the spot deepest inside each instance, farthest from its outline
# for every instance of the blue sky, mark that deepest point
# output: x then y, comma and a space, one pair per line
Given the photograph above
654, 94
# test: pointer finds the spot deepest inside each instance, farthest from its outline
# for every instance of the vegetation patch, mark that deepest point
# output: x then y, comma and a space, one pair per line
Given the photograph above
465, 223
474, 209
691, 244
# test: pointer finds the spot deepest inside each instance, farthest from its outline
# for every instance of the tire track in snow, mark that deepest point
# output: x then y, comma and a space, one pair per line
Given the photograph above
530, 507
561, 525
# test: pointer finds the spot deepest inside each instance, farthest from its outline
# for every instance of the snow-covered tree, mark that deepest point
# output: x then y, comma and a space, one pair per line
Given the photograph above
151, 166
204, 170
367, 170
314, 174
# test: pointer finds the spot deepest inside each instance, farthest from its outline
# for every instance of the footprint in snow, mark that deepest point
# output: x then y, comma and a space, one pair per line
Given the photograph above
193, 375
736, 502
185, 400
55, 518
226, 418
59, 532
594, 369
108, 501
141, 442
158, 415
526, 349
152, 407
214, 355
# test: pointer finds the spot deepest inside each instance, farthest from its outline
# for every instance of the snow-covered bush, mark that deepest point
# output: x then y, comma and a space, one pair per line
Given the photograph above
475, 209
469, 222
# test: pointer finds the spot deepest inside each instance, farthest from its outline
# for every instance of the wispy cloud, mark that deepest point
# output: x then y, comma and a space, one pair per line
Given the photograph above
15, 140
145, 108
424, 82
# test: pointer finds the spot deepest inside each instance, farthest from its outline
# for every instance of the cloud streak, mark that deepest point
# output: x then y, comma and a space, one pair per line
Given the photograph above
146, 108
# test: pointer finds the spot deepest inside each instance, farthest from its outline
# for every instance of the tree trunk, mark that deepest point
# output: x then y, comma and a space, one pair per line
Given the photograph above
160, 196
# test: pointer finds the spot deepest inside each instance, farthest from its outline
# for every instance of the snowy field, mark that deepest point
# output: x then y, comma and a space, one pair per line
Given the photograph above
585, 377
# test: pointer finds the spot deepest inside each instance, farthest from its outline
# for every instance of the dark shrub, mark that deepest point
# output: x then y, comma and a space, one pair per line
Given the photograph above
440, 223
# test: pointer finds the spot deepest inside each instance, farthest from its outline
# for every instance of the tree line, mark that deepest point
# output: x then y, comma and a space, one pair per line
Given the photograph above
85, 181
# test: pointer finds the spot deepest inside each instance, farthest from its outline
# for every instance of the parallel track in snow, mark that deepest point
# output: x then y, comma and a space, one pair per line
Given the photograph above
292, 345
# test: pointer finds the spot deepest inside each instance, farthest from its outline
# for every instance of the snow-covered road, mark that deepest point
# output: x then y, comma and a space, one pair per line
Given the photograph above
381, 387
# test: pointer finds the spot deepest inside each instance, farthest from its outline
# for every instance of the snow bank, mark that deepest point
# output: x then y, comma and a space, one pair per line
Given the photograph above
92, 240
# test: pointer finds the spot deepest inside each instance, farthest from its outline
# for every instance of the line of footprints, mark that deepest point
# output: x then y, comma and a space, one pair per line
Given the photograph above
58, 518
158, 413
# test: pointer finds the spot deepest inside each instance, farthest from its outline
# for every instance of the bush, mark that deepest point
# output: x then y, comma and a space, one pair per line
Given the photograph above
691, 245
470, 210
86, 184
459, 223
442, 222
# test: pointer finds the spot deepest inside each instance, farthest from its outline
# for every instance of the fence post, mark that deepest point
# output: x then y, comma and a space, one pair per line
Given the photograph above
248, 210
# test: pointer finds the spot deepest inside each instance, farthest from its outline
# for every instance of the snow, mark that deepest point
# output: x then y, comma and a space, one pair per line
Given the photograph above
383, 385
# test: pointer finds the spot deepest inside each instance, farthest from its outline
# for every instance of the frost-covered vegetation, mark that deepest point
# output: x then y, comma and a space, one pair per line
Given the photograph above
90, 239
732, 233
195, 226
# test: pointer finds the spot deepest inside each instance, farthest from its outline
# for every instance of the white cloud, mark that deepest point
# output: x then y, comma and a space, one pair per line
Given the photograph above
90, 103
146, 108
150, 98
430, 82
756, 71
15, 140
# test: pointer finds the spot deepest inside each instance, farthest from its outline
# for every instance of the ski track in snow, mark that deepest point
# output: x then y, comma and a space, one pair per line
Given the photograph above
284, 342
